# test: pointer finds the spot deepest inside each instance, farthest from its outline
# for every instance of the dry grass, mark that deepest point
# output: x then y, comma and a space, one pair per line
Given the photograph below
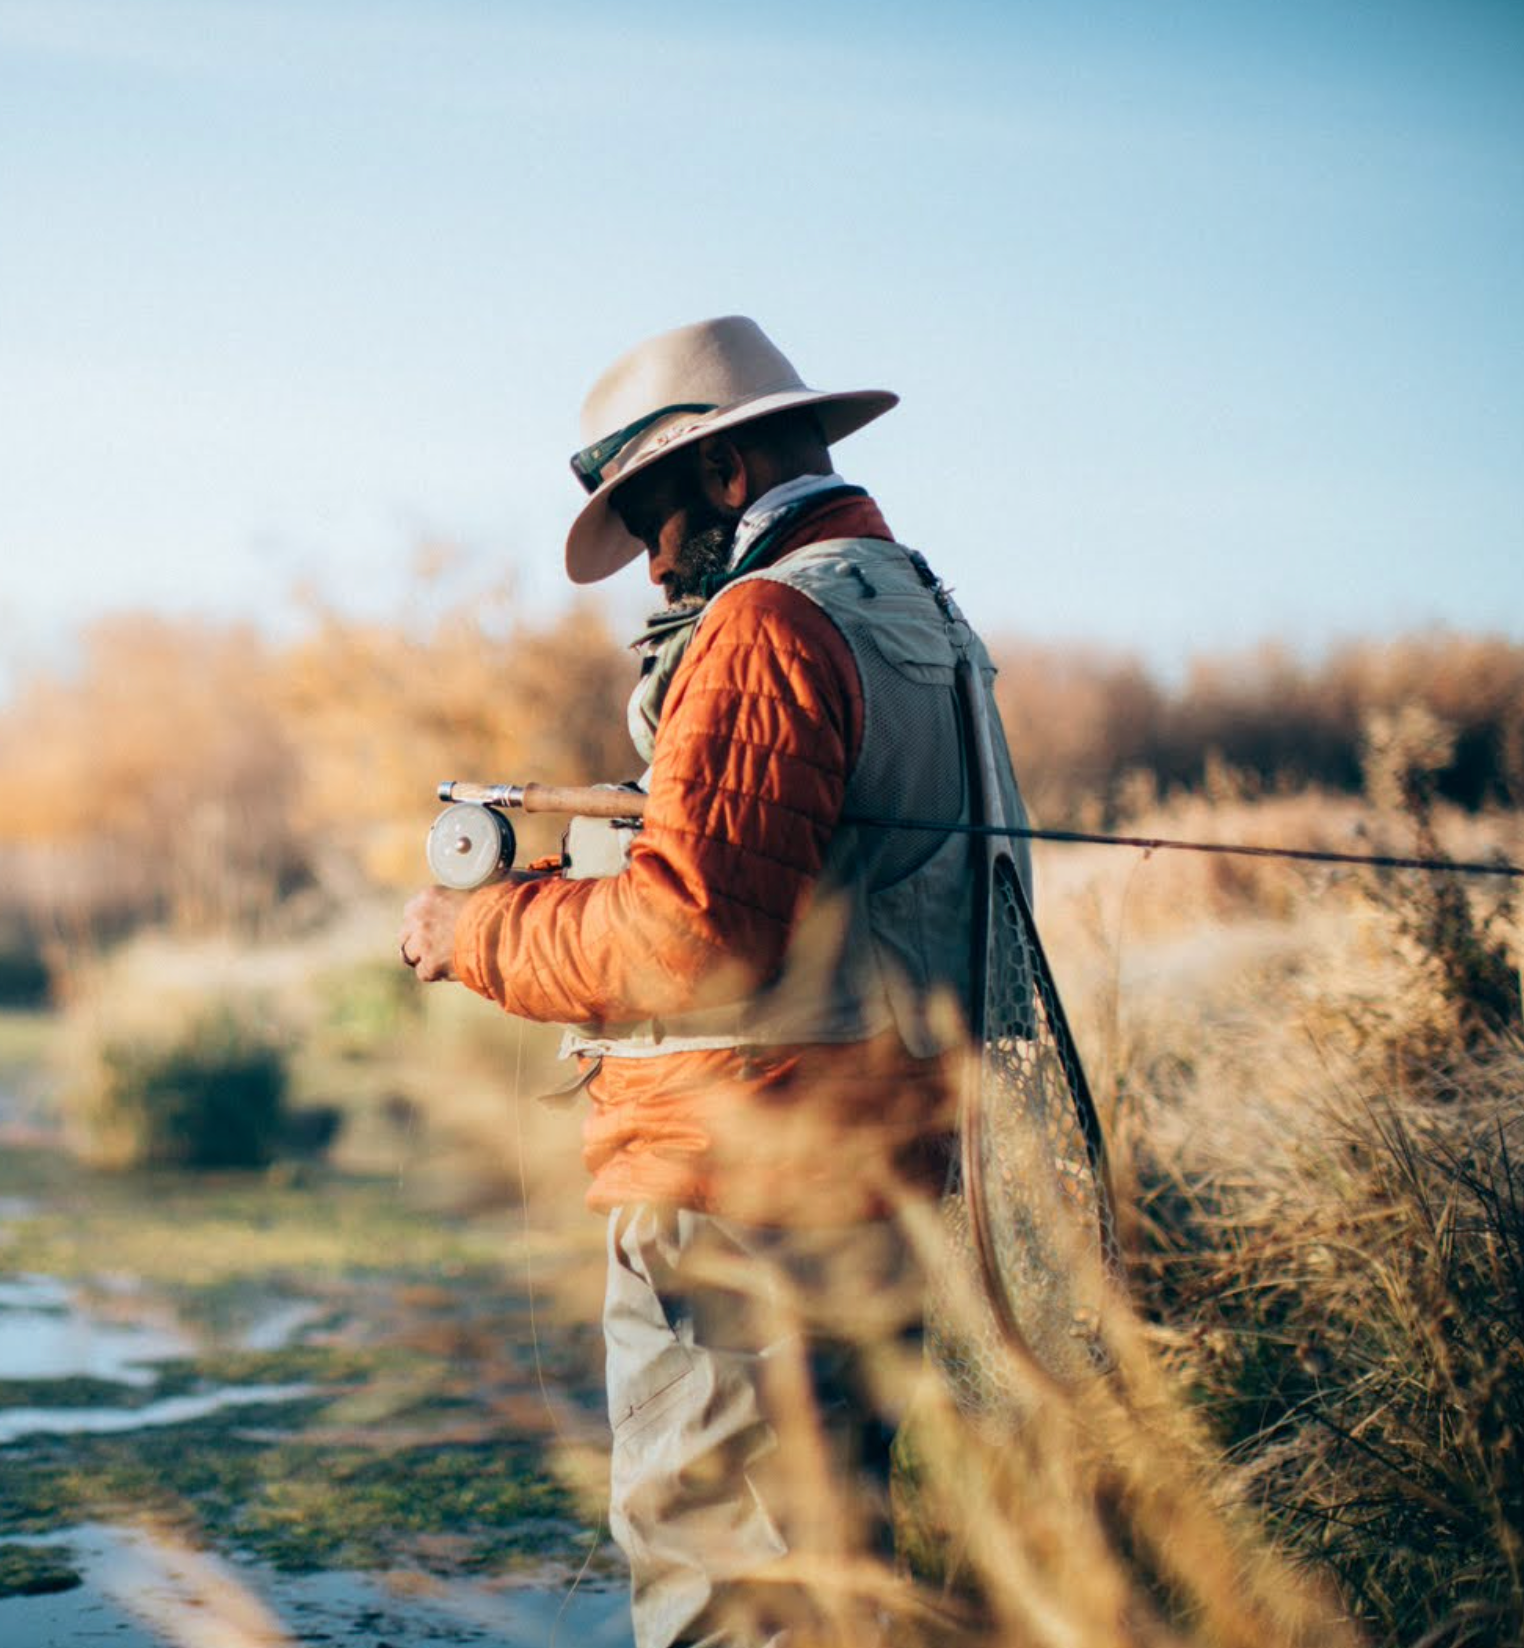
1321, 1156
196, 774
1310, 1433
1312, 1430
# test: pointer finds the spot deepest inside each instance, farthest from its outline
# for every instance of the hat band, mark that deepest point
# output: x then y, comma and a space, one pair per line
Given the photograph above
589, 464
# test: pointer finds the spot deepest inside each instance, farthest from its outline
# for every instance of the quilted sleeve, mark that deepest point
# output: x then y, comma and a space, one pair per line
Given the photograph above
757, 738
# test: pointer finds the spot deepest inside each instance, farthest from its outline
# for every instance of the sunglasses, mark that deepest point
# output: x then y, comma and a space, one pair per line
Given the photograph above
589, 464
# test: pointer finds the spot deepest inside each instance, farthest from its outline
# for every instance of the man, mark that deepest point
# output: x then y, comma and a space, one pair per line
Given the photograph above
763, 1000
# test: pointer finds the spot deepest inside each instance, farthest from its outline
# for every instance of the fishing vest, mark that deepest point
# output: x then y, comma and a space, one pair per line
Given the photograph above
888, 937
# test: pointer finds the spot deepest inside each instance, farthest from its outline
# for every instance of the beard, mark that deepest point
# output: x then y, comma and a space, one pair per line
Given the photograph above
705, 553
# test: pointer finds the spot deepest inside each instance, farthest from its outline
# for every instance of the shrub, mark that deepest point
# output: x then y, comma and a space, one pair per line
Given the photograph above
1457, 933
152, 780
1084, 724
24, 977
1329, 1241
211, 1095
1355, 1333
365, 1005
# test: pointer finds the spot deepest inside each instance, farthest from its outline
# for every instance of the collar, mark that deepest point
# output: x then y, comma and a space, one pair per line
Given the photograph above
769, 520
767, 523
766, 512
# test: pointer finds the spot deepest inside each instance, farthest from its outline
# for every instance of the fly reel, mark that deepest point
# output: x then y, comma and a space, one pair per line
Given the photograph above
469, 845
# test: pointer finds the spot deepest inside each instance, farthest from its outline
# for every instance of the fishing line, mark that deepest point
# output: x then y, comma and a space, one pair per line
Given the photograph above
529, 1288
486, 803
1311, 855
534, 1326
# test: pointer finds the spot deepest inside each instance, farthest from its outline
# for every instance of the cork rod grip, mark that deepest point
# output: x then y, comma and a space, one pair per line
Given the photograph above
582, 800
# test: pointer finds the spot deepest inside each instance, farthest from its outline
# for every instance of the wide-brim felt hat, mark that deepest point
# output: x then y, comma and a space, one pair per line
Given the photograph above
671, 391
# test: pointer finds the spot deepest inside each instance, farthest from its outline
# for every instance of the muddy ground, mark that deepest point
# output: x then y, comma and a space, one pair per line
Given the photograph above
304, 1402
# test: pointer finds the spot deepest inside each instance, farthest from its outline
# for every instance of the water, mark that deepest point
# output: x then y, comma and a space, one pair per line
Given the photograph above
140, 1592
47, 1332
18, 1423
280, 1325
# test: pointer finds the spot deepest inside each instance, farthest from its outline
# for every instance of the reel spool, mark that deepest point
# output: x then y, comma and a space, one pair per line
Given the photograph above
469, 845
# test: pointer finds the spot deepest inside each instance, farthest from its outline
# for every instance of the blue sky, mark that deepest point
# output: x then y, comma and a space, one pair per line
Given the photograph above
1205, 317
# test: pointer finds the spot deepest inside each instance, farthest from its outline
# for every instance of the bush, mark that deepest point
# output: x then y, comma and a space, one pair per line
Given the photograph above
1352, 1314
24, 978
363, 1006
1093, 732
1328, 1236
1457, 931
212, 1095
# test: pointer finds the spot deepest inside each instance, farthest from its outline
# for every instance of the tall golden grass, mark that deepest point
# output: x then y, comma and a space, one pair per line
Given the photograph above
153, 782
1328, 1244
195, 773
1312, 1431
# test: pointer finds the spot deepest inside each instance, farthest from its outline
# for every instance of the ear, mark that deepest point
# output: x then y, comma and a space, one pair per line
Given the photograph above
722, 473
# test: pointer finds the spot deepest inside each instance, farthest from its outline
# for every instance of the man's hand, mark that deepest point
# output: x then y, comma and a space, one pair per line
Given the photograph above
428, 932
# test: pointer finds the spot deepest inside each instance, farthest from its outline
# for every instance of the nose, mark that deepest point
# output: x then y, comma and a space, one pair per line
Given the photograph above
658, 563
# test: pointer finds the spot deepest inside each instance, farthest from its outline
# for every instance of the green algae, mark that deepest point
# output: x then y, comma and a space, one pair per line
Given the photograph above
36, 1570
422, 1443
298, 1505
77, 1391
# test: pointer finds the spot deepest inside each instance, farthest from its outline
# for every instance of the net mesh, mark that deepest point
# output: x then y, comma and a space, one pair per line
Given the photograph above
1032, 1173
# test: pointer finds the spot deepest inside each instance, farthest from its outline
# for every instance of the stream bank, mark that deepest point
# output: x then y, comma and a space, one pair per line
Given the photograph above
341, 1408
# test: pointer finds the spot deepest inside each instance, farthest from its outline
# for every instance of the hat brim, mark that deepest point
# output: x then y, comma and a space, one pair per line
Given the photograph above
597, 545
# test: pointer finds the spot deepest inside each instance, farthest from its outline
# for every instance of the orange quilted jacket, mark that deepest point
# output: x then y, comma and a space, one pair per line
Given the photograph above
758, 734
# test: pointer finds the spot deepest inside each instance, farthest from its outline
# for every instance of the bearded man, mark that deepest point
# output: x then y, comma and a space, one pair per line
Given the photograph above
765, 998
